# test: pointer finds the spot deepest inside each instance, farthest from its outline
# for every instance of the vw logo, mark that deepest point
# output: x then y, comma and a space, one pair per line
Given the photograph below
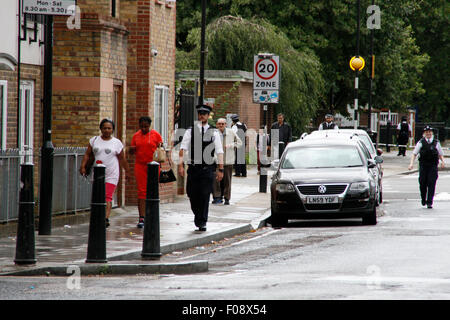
322, 189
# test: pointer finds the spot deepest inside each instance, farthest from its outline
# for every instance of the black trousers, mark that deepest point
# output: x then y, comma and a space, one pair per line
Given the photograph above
427, 180
199, 186
240, 166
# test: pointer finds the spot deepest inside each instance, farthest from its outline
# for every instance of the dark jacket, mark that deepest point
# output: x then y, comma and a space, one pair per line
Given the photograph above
285, 133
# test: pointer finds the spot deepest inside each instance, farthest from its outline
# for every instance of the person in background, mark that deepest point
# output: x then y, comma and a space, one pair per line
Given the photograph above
262, 147
108, 150
328, 124
230, 141
240, 128
284, 133
429, 150
143, 145
404, 131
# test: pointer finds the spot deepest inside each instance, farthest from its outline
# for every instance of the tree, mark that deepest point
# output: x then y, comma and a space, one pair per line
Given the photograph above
328, 28
430, 26
232, 43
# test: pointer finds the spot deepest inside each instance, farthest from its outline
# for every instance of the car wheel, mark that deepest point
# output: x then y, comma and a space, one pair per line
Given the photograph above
278, 222
370, 219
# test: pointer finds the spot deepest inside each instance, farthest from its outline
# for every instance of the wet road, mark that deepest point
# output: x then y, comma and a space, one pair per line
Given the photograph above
405, 256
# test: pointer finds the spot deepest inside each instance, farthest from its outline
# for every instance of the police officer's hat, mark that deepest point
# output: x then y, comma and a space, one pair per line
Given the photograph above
427, 128
235, 117
204, 108
328, 115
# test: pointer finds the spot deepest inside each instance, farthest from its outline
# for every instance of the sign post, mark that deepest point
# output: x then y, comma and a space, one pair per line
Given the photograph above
266, 86
49, 8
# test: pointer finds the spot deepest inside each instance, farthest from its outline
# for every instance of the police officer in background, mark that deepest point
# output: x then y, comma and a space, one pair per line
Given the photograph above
240, 167
202, 142
404, 132
429, 150
328, 124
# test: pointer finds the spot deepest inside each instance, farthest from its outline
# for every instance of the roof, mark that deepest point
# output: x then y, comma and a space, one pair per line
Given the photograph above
216, 75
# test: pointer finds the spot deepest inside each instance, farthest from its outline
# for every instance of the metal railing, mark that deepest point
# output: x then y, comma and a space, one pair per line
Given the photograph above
9, 184
71, 191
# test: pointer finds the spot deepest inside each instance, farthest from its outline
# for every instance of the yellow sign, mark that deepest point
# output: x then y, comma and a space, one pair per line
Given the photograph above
357, 63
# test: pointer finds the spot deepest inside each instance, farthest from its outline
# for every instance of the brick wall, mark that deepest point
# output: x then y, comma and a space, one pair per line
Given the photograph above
151, 25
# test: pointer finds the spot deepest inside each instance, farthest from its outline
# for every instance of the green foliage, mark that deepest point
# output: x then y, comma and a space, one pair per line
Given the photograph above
411, 49
232, 43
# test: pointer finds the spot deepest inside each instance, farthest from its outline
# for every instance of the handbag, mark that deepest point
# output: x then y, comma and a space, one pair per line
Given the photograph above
167, 176
160, 154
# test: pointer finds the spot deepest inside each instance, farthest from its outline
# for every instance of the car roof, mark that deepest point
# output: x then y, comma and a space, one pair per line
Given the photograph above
341, 133
320, 141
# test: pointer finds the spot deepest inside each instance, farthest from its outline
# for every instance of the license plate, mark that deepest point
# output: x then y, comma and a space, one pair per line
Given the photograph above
321, 200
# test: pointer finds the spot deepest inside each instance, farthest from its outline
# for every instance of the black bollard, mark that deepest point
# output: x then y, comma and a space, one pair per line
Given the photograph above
25, 245
151, 243
97, 225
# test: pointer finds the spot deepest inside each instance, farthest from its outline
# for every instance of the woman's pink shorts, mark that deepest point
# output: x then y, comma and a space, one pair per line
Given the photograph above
109, 188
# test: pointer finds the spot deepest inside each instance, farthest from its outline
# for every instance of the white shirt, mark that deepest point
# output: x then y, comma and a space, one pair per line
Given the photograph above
107, 151
419, 146
185, 143
335, 126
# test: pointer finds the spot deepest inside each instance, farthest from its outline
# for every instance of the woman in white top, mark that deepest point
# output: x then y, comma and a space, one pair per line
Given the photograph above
109, 151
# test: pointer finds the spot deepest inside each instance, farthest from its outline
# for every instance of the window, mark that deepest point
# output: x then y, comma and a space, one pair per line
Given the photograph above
3, 112
161, 112
322, 157
26, 112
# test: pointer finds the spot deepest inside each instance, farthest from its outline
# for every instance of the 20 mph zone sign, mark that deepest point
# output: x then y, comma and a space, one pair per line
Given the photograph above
266, 83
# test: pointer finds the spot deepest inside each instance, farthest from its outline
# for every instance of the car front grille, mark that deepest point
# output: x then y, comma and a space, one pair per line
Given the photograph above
313, 190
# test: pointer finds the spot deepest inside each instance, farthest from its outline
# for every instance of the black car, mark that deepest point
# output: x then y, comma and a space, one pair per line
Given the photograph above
324, 178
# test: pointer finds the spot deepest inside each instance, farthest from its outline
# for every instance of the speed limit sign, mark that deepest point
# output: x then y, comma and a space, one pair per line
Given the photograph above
266, 74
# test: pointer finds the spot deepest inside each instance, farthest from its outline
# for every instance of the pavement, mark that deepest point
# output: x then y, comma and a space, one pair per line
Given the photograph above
65, 250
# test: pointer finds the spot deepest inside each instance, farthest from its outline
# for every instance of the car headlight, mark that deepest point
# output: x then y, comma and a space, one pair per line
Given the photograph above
285, 188
359, 186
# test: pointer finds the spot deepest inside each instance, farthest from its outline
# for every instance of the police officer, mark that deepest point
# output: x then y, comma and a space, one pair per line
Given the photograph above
328, 124
239, 128
202, 142
404, 132
429, 150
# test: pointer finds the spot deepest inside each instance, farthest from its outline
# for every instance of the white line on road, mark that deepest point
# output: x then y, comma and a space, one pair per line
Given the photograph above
230, 245
381, 280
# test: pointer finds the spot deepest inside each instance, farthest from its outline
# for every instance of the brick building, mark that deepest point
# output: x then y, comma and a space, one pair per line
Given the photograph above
108, 68
230, 92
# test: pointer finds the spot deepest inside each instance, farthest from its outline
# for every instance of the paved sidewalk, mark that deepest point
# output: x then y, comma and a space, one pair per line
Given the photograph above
248, 211
67, 245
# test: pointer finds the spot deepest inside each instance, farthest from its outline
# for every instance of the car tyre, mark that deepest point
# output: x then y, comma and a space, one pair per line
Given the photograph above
371, 218
278, 222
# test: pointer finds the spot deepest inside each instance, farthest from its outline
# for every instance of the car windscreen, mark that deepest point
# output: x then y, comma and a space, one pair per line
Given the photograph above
321, 157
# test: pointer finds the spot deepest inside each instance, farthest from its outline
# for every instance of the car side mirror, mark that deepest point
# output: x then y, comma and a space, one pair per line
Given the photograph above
275, 164
371, 163
379, 152
378, 159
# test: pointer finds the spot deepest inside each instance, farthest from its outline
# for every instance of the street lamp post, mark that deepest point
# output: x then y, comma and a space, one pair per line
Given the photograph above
202, 52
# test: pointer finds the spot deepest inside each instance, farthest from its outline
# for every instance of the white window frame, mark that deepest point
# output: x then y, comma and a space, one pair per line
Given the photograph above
4, 112
26, 121
161, 112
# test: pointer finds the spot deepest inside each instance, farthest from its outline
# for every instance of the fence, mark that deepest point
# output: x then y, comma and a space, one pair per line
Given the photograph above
71, 191
9, 184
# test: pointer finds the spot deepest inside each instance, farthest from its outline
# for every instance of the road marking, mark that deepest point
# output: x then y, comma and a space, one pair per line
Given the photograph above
230, 245
381, 280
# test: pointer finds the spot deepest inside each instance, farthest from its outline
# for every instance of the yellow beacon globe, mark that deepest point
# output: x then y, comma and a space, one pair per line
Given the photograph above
357, 63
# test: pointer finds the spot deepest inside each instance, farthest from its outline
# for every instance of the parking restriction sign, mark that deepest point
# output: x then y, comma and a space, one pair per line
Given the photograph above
266, 74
